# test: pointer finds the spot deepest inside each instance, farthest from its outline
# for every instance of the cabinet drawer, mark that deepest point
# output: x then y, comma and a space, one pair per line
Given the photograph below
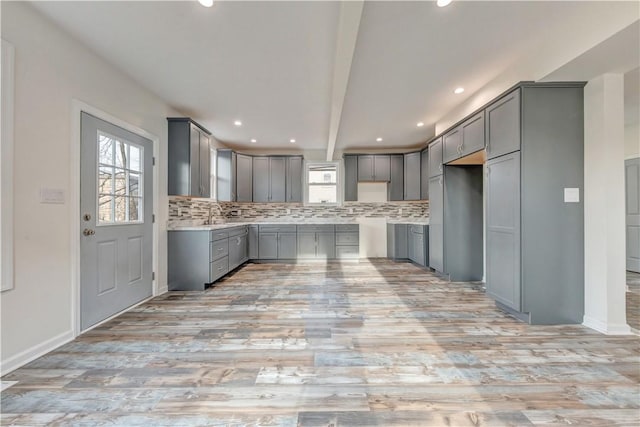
418, 229
319, 228
273, 228
218, 235
347, 238
218, 249
218, 268
236, 231
347, 228
343, 252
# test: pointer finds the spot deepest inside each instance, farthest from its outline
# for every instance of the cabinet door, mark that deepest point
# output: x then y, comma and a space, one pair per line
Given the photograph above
261, 179
268, 245
417, 248
225, 172
451, 143
396, 185
235, 252
244, 178
365, 168
435, 158
244, 248
253, 242
294, 179
502, 125
205, 165
287, 246
473, 134
411, 246
412, 176
195, 183
306, 245
325, 245
278, 178
381, 168
401, 238
424, 174
503, 229
350, 178
436, 229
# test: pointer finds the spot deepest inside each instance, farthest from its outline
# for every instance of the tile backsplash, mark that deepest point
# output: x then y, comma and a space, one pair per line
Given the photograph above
186, 211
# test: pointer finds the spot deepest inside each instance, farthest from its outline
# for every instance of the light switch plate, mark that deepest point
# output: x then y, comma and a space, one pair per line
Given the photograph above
52, 196
572, 195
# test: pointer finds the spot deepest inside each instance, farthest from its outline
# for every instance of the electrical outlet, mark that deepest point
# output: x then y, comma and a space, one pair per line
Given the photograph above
399, 211
350, 210
288, 211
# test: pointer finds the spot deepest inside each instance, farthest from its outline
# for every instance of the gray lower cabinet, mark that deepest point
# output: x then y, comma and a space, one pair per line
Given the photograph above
316, 242
244, 178
268, 245
347, 241
418, 235
189, 158
436, 223
226, 164
397, 243
424, 174
253, 242
350, 178
408, 241
238, 247
277, 242
269, 179
435, 158
502, 125
294, 179
396, 184
412, 176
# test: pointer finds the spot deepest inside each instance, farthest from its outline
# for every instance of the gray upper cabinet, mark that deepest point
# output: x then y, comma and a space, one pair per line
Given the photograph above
189, 158
502, 125
269, 179
435, 158
436, 223
412, 176
294, 179
451, 143
374, 168
226, 175
424, 174
396, 184
244, 178
350, 178
472, 134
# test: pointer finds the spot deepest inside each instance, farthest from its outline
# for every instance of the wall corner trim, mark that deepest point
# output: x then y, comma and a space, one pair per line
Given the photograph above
606, 328
16, 361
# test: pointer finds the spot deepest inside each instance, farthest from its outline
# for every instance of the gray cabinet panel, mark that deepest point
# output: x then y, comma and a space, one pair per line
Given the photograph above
287, 246
188, 159
205, 165
502, 125
424, 174
226, 175
416, 248
503, 229
396, 185
436, 224
365, 168
381, 168
325, 245
412, 176
347, 252
435, 158
195, 179
188, 260
350, 178
278, 178
306, 245
397, 241
244, 178
268, 245
218, 249
294, 179
218, 268
253, 242
472, 134
261, 188
451, 143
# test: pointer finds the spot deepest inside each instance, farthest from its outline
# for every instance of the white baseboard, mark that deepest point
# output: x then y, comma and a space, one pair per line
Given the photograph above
606, 328
26, 356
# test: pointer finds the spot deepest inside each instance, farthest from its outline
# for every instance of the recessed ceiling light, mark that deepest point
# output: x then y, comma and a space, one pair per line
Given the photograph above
458, 90
293, 141
237, 123
206, 3
443, 3
420, 124
253, 141
379, 139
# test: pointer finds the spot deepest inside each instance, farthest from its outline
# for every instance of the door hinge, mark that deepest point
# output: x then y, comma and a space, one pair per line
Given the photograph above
153, 161
153, 218
153, 275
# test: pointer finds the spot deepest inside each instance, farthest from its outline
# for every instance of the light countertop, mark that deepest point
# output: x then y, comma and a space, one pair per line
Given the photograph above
222, 226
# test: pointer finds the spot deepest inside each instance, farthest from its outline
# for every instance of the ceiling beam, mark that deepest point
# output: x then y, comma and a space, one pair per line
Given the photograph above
348, 26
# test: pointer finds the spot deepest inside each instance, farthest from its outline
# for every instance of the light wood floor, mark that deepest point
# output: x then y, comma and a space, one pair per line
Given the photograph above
360, 344
633, 300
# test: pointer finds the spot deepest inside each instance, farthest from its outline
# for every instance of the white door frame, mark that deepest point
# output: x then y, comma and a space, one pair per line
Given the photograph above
77, 107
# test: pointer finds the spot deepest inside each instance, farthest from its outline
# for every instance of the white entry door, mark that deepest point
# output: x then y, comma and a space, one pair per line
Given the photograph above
116, 188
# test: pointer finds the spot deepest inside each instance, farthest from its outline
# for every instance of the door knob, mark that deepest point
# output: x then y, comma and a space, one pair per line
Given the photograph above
88, 232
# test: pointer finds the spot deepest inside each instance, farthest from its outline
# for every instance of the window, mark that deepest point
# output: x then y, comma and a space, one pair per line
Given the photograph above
120, 181
322, 183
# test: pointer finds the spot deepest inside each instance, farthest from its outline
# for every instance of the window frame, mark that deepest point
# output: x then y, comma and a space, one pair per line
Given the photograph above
307, 165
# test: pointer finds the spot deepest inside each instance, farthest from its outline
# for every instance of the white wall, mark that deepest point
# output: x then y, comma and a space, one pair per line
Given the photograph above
51, 69
632, 140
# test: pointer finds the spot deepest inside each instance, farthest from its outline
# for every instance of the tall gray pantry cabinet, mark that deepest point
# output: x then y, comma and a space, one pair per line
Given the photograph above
535, 240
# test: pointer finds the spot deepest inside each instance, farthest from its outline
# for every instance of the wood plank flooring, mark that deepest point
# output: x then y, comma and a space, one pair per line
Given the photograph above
633, 300
374, 343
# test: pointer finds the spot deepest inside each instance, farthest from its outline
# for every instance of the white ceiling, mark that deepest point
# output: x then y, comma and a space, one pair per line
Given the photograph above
274, 65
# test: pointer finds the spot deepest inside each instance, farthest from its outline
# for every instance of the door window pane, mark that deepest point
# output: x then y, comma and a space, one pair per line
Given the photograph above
120, 181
